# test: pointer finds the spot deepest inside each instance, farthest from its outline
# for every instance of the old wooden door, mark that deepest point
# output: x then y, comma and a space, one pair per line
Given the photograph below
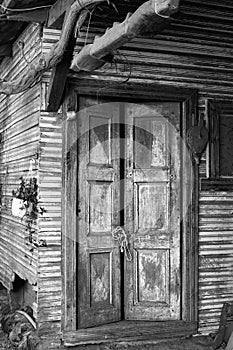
99, 279
152, 212
144, 201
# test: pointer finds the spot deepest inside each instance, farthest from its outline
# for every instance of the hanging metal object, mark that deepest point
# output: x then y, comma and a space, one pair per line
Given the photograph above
119, 235
197, 138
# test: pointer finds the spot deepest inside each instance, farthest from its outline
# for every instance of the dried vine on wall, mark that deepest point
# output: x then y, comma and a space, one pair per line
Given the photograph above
27, 193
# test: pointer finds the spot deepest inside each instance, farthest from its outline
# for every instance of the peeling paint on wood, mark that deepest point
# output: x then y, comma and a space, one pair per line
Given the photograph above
153, 283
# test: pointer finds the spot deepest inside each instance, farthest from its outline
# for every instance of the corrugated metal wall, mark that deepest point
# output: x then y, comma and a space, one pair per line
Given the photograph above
19, 121
49, 223
28, 133
216, 256
49, 281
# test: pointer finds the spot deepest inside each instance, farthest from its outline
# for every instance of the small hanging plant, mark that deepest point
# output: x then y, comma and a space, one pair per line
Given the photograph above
27, 192
25, 205
25, 202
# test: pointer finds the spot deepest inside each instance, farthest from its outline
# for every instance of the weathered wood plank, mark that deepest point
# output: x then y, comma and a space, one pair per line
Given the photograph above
37, 16
128, 331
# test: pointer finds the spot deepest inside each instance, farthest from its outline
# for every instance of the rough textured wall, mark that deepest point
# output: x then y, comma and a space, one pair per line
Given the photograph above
19, 131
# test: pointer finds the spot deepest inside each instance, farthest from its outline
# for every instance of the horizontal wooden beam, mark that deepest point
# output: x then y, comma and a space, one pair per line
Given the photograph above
6, 50
151, 14
38, 16
57, 11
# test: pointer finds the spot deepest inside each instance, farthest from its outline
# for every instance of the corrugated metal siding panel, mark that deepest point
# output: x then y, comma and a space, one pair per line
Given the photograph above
49, 282
196, 51
13, 67
19, 130
216, 256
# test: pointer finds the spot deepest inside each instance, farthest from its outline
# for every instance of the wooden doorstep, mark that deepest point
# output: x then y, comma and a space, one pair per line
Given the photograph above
125, 331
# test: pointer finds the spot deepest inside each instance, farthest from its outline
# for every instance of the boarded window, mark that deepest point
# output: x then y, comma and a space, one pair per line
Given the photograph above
220, 149
226, 141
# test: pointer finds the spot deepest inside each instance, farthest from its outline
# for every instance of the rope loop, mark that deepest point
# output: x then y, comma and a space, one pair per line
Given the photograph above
163, 16
119, 235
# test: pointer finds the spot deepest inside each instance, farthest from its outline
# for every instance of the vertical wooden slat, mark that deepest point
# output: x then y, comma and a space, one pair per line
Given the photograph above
213, 147
190, 211
69, 238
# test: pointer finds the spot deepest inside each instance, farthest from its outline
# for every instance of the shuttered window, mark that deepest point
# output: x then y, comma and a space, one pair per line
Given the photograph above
220, 148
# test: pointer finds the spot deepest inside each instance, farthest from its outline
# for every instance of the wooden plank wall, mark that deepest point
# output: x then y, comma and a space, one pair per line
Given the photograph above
196, 51
19, 121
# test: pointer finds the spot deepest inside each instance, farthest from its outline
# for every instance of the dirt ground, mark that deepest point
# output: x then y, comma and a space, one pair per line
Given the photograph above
196, 343
4, 342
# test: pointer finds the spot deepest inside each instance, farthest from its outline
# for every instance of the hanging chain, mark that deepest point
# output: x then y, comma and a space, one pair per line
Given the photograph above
119, 235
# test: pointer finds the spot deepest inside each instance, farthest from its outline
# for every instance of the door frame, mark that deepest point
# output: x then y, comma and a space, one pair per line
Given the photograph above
189, 227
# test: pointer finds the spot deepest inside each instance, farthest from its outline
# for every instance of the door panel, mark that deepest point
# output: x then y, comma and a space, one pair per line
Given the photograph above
155, 215
152, 277
98, 213
152, 212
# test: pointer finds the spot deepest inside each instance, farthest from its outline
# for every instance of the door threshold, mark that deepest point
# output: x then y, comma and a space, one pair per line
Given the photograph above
128, 331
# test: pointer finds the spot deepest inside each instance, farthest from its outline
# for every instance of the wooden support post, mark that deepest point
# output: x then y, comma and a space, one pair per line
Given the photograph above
60, 71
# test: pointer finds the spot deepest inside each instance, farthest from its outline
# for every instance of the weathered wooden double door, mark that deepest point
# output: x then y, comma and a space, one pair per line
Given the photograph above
128, 176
